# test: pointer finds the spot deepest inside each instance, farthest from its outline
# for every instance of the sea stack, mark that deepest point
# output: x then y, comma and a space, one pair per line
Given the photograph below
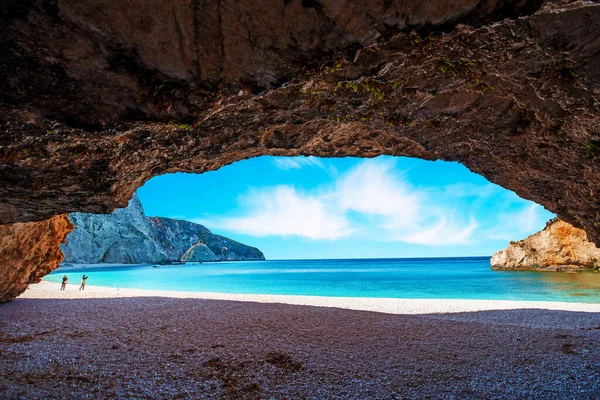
558, 247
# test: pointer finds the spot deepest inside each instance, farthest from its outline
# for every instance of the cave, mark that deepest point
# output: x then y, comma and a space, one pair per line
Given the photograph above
99, 96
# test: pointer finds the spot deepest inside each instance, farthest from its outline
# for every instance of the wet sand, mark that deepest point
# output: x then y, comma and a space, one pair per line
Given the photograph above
143, 345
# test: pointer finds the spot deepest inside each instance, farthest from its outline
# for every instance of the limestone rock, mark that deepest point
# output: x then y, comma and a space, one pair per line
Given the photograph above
199, 252
559, 246
28, 251
127, 236
121, 237
177, 236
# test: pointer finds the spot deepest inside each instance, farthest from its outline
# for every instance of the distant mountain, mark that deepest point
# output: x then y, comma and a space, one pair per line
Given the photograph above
127, 236
177, 237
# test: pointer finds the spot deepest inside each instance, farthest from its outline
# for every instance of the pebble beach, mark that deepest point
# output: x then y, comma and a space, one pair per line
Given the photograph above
127, 343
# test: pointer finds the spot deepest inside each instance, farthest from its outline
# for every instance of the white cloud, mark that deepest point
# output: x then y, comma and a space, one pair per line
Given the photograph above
282, 211
517, 225
287, 163
470, 190
372, 189
528, 217
442, 233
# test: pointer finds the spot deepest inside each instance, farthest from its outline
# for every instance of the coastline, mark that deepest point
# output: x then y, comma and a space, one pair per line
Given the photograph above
50, 290
70, 266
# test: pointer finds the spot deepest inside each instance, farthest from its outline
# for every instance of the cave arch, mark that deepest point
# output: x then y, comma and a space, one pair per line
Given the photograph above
94, 102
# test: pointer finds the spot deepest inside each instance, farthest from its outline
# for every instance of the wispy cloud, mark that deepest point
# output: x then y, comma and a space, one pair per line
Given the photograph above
518, 224
528, 217
287, 163
282, 211
373, 189
471, 190
444, 232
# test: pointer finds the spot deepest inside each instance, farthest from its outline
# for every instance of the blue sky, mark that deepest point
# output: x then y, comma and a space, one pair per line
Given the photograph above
307, 207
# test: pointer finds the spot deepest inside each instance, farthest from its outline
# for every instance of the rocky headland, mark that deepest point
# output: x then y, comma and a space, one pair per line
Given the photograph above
187, 241
558, 247
128, 236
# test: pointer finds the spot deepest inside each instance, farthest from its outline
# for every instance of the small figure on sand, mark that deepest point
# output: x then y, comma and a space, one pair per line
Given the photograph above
83, 279
64, 282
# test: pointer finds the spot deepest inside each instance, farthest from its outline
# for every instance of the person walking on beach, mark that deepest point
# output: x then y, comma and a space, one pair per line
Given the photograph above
83, 279
64, 282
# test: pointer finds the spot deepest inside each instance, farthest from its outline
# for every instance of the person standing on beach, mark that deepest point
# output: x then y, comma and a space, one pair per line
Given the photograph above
83, 279
64, 282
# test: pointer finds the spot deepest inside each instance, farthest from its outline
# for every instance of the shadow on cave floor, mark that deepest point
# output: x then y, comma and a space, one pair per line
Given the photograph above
155, 347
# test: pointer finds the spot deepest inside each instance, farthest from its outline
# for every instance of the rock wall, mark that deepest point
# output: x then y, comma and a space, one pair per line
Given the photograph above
28, 251
127, 236
121, 237
559, 246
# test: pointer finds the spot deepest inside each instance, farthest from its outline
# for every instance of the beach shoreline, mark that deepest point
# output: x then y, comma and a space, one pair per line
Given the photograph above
74, 266
50, 290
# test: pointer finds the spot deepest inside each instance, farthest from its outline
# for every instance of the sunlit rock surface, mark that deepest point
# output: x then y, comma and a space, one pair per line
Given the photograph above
28, 251
127, 236
559, 246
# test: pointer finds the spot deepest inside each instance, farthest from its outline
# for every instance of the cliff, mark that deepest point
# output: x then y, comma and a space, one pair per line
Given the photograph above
177, 237
121, 237
199, 252
559, 246
128, 236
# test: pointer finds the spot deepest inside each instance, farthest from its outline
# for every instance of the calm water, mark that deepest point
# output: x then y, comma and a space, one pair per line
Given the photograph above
451, 278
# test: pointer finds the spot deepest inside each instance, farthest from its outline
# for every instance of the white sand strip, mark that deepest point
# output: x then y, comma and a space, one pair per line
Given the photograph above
48, 290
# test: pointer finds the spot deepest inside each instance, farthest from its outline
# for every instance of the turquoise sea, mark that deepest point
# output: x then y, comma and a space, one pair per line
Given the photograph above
438, 278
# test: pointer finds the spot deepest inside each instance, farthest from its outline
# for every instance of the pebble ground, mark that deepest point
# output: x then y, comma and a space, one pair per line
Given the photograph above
165, 348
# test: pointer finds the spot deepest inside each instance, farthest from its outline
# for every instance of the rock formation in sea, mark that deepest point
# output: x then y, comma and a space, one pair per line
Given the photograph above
558, 247
128, 236
98, 96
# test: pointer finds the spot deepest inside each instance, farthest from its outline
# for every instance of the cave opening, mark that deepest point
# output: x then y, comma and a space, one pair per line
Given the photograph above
326, 226
381, 227
312, 207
